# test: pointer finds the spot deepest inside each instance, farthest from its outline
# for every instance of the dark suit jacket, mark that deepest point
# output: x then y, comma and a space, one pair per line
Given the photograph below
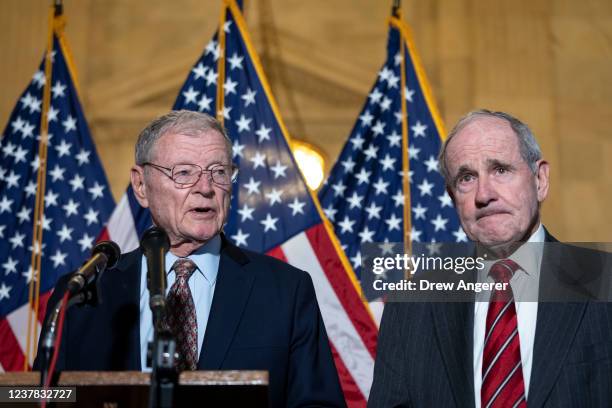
425, 350
264, 316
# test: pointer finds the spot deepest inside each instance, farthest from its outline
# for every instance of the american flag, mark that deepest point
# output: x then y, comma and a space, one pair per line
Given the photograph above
77, 200
272, 210
364, 196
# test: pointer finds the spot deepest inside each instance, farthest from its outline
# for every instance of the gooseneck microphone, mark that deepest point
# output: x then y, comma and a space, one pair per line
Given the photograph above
105, 255
154, 245
80, 289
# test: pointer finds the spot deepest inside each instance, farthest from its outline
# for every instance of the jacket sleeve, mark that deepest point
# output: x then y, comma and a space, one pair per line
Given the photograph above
390, 387
312, 377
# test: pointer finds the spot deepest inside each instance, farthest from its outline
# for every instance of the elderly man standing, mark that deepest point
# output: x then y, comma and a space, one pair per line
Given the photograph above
247, 311
502, 353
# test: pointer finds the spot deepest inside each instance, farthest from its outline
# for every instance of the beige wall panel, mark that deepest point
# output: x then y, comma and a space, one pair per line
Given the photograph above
22, 38
583, 95
584, 199
586, 158
581, 9
117, 152
456, 66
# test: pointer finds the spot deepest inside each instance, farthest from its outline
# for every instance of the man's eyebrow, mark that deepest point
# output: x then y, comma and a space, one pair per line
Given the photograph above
499, 163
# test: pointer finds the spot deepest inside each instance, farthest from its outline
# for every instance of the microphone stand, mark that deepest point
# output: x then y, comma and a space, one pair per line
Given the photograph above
82, 288
164, 377
162, 351
88, 296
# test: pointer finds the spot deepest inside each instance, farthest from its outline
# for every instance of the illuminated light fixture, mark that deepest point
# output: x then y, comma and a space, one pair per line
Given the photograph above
311, 163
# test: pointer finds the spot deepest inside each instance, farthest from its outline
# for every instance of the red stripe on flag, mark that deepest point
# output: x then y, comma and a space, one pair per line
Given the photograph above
42, 305
104, 235
277, 253
343, 286
352, 395
11, 356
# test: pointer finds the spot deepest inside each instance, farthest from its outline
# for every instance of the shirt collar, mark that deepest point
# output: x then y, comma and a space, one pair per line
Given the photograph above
529, 256
205, 258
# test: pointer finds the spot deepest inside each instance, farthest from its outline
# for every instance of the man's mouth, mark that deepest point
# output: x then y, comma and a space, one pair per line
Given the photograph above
489, 213
202, 210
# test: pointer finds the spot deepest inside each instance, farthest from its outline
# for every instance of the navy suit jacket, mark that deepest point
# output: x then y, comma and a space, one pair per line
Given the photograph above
425, 350
264, 316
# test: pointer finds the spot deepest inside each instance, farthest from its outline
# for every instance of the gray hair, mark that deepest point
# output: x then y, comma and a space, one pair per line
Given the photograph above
528, 146
182, 122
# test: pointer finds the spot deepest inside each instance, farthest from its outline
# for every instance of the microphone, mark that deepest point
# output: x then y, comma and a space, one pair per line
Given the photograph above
105, 255
154, 245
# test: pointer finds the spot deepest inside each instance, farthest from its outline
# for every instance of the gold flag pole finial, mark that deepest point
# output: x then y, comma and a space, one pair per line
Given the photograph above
396, 7
58, 8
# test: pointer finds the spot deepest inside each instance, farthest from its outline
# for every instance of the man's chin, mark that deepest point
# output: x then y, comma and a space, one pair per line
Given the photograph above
203, 235
197, 235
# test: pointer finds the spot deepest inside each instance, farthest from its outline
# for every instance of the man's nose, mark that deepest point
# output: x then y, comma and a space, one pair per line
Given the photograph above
485, 191
204, 184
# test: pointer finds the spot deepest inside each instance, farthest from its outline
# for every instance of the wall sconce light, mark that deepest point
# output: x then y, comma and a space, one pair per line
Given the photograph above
311, 163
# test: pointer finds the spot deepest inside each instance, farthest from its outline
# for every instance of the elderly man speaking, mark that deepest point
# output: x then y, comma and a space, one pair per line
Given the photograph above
243, 310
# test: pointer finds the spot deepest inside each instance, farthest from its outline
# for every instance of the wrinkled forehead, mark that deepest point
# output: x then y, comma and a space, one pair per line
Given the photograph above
189, 140
483, 140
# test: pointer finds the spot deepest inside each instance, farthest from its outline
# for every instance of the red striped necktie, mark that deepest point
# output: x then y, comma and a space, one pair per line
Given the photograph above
502, 370
181, 315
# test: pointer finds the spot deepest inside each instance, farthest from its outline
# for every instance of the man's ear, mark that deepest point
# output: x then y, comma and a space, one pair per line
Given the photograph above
542, 179
137, 178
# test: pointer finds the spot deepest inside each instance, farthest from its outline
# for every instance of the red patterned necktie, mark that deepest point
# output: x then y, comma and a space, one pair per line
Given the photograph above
502, 370
182, 315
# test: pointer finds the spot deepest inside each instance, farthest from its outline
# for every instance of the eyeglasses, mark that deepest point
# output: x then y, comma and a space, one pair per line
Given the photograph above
189, 174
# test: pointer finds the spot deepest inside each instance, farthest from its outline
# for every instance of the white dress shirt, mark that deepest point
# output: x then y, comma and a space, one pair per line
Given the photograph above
202, 286
524, 283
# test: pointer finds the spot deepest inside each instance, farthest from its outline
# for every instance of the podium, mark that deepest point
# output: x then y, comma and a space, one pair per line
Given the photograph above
119, 389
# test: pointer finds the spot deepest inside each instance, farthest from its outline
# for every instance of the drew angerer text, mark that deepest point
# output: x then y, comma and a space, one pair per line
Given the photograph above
425, 285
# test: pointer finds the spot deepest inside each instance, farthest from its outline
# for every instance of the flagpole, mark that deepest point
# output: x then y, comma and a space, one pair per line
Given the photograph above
39, 206
395, 19
221, 64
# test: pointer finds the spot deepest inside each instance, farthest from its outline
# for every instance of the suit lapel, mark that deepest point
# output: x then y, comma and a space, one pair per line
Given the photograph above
555, 331
454, 324
232, 291
556, 327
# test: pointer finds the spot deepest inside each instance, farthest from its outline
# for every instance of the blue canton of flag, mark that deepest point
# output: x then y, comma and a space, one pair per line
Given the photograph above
77, 197
363, 196
270, 201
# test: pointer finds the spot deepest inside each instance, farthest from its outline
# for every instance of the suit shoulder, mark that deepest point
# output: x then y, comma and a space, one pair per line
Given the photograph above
129, 259
264, 265
273, 263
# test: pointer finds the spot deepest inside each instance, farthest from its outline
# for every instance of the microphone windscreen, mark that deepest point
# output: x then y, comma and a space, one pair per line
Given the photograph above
111, 250
153, 239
